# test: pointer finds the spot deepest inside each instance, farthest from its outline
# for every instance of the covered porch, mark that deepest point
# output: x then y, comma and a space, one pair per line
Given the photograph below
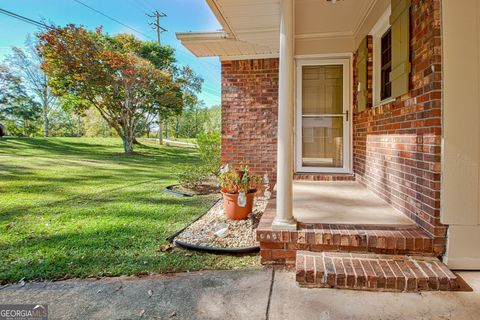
338, 216
335, 82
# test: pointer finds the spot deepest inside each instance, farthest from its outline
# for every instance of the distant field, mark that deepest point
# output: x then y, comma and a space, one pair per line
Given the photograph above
77, 207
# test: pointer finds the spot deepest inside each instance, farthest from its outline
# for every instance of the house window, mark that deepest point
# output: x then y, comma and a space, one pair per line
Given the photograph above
382, 59
386, 65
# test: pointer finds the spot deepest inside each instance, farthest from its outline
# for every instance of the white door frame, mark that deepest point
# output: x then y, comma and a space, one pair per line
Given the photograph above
347, 123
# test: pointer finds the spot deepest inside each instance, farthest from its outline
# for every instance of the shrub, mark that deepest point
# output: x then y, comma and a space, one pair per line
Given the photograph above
209, 148
193, 177
200, 176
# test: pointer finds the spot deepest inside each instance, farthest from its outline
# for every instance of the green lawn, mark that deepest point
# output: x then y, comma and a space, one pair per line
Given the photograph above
77, 207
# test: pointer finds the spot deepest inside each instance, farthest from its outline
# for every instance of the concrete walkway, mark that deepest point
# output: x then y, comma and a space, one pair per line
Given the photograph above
246, 294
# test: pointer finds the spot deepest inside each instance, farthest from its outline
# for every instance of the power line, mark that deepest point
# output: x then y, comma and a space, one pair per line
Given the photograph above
138, 4
113, 19
43, 25
133, 29
148, 4
24, 19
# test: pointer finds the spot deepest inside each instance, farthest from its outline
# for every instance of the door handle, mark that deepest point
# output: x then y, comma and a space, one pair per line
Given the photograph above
346, 115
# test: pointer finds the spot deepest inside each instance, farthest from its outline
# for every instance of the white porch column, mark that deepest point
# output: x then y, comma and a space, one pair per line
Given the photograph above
284, 216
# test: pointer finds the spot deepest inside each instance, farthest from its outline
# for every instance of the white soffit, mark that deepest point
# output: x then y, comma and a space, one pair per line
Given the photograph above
251, 27
254, 21
323, 19
208, 44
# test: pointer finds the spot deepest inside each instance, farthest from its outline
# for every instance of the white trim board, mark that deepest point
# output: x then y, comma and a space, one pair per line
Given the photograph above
249, 57
378, 30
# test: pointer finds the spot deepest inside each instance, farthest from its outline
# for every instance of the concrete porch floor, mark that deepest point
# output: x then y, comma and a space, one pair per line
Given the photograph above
342, 202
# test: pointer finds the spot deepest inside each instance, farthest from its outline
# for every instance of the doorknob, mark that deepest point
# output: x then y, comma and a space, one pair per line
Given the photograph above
346, 115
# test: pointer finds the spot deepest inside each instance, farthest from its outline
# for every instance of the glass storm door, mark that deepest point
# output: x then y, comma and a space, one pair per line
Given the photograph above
323, 129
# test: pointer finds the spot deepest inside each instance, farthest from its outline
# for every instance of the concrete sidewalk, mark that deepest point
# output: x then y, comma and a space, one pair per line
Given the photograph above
246, 294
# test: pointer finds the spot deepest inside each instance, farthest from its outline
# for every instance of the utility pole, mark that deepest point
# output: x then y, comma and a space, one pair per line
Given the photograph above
157, 15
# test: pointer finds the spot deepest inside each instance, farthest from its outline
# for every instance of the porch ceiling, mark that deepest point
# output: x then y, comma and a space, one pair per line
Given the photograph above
320, 18
252, 26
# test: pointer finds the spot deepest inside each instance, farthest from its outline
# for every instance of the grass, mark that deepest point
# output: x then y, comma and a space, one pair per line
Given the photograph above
77, 207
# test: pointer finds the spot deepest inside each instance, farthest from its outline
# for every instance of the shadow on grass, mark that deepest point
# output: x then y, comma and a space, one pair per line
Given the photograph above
119, 197
105, 147
106, 252
91, 211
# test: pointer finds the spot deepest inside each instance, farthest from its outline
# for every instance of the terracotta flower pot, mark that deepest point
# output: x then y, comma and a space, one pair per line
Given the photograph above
233, 210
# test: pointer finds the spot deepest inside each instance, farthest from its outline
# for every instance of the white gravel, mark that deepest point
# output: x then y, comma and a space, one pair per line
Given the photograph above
214, 229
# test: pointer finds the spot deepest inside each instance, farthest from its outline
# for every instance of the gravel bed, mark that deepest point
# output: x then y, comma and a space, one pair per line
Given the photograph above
215, 230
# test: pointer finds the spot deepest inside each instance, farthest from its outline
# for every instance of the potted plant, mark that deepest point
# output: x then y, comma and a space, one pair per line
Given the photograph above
238, 187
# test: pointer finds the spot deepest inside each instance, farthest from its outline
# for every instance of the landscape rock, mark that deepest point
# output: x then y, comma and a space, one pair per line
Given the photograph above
215, 229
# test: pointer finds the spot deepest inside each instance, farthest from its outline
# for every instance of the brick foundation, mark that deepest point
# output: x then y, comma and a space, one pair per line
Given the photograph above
281, 246
249, 114
397, 145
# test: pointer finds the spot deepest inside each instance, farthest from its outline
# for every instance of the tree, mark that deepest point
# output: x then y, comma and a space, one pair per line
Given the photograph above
111, 74
196, 119
28, 64
18, 110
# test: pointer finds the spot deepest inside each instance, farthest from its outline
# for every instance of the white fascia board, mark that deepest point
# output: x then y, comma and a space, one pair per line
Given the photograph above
201, 36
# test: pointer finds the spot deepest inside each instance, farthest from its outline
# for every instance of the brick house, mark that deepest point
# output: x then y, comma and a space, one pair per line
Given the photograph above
364, 113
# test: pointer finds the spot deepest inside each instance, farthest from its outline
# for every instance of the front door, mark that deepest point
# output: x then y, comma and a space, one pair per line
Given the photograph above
323, 119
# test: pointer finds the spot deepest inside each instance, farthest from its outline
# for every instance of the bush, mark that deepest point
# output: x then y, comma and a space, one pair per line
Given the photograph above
209, 147
201, 176
193, 177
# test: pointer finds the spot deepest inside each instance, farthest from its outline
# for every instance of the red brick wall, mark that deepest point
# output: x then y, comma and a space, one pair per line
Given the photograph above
397, 145
249, 114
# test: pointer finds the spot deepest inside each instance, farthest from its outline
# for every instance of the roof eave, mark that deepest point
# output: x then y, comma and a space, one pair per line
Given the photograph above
201, 36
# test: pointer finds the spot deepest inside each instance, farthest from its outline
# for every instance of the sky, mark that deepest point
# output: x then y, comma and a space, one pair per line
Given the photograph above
182, 16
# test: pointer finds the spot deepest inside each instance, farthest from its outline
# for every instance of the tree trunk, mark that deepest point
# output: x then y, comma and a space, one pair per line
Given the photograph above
128, 144
79, 126
45, 120
160, 129
45, 107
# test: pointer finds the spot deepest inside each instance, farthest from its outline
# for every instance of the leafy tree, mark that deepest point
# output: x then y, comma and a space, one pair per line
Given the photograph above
213, 119
64, 123
196, 119
94, 125
18, 110
110, 73
28, 65
10, 86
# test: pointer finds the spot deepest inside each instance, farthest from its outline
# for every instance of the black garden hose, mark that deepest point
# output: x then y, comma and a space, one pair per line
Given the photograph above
216, 250
169, 189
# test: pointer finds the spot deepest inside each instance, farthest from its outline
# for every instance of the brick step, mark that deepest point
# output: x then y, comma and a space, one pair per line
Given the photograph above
323, 177
280, 247
373, 272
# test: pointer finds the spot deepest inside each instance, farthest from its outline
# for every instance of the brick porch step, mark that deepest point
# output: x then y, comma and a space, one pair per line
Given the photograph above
280, 247
323, 177
372, 272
